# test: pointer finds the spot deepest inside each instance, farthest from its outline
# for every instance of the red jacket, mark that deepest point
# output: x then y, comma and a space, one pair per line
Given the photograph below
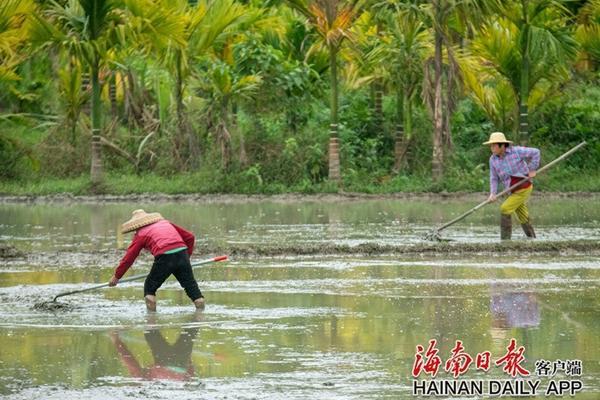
158, 238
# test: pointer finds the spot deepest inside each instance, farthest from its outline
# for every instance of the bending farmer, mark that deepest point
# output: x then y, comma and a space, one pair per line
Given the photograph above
171, 247
510, 164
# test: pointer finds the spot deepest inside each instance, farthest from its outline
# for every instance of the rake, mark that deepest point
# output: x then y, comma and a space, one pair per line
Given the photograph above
434, 235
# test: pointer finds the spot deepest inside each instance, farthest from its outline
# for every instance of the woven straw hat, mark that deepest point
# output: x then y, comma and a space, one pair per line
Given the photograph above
497, 137
139, 219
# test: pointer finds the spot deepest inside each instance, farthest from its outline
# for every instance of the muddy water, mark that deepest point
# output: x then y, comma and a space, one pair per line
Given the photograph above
291, 327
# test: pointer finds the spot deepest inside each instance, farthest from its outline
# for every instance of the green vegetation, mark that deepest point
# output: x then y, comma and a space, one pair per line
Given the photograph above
265, 96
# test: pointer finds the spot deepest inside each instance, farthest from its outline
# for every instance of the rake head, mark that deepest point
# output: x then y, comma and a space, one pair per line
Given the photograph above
51, 306
433, 236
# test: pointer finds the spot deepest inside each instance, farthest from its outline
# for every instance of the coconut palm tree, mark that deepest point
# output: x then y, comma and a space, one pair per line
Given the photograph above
205, 23
225, 88
458, 17
88, 30
523, 58
448, 19
543, 37
82, 29
407, 48
332, 20
72, 97
365, 63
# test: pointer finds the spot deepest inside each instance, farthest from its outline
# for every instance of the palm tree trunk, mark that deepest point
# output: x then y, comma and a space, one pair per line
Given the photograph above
449, 110
524, 92
74, 109
237, 131
179, 107
437, 167
162, 108
112, 92
243, 153
398, 153
404, 130
224, 137
96, 171
408, 125
378, 108
334, 146
378, 103
125, 87
85, 87
186, 134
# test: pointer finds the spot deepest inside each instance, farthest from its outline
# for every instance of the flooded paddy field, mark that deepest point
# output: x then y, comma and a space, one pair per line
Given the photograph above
292, 326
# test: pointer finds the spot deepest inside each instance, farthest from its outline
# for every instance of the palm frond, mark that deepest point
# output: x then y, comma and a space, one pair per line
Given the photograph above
588, 29
221, 18
332, 19
96, 12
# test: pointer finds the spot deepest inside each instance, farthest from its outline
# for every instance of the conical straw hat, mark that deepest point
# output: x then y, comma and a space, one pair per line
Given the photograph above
140, 218
497, 137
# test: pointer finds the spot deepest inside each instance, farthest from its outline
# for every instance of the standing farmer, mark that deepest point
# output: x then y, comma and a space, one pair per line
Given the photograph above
510, 164
171, 247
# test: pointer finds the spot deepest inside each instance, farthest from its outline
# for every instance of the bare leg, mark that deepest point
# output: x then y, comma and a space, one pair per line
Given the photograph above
150, 302
200, 303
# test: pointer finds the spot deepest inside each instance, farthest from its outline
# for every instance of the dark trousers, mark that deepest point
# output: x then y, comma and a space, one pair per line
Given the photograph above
166, 354
177, 264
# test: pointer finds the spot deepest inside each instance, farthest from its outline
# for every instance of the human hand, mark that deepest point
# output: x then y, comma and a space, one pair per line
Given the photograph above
113, 281
532, 174
492, 198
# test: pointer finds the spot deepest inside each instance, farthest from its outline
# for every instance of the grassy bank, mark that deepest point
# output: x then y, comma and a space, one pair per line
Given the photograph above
559, 180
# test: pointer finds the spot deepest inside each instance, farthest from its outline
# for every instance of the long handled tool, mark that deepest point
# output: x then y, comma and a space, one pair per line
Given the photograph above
135, 277
435, 234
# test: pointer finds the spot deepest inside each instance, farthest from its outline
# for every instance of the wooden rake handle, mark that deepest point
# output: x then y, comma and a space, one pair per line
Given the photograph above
136, 277
508, 190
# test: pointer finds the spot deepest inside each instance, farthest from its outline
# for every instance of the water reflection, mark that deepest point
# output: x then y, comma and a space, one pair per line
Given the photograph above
171, 361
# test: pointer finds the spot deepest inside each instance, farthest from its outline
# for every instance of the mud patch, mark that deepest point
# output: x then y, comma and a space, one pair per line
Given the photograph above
9, 251
79, 259
52, 306
588, 247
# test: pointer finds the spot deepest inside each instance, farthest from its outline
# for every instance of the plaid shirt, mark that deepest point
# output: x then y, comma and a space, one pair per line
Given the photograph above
516, 161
